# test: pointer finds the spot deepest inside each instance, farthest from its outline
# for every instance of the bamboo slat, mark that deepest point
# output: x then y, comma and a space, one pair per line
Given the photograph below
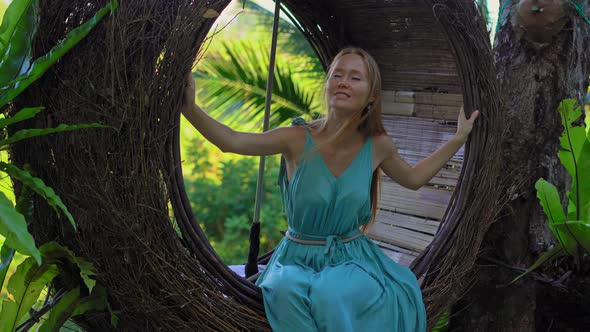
430, 98
423, 225
398, 257
401, 255
426, 105
400, 236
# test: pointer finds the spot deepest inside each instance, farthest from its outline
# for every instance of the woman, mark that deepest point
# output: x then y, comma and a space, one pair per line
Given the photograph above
325, 275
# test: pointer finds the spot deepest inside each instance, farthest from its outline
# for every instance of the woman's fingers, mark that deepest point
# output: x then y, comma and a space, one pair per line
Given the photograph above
189, 89
473, 116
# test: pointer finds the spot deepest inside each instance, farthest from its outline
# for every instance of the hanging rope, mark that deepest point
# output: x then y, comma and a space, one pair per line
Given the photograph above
251, 267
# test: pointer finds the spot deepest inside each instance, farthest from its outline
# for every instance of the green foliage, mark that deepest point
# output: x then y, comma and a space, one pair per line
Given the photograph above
53, 252
571, 230
28, 133
25, 286
222, 196
231, 77
28, 73
18, 28
72, 304
442, 324
550, 255
39, 187
14, 228
233, 85
575, 156
24, 114
6, 255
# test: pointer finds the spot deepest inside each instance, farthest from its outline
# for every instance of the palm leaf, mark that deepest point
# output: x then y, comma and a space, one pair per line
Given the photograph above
232, 85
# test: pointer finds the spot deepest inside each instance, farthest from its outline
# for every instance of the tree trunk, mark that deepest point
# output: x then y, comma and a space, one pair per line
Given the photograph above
534, 79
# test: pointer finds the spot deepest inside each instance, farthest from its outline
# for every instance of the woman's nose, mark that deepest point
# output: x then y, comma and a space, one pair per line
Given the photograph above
343, 83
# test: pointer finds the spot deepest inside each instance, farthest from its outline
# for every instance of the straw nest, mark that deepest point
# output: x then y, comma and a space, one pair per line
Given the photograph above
118, 182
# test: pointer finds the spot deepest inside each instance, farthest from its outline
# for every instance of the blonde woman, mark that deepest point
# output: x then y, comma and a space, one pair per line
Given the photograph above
325, 275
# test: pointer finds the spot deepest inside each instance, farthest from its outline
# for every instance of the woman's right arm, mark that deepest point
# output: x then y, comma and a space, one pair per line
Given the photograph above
228, 140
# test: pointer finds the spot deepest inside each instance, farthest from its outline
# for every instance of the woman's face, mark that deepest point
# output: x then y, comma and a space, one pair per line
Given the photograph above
347, 89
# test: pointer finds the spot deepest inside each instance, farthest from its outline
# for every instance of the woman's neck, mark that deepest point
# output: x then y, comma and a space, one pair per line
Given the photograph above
334, 123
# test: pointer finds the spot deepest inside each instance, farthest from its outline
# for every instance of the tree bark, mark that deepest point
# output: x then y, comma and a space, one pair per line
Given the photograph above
533, 79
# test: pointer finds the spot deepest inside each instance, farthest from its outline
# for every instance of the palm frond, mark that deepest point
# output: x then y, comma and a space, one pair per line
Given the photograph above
231, 86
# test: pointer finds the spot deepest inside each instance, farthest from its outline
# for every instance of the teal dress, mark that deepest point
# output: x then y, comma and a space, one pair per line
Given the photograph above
336, 287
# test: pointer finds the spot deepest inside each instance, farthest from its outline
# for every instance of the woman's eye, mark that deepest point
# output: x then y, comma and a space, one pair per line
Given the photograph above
336, 76
356, 78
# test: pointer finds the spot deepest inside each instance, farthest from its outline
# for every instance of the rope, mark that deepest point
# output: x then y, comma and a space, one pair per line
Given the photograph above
251, 267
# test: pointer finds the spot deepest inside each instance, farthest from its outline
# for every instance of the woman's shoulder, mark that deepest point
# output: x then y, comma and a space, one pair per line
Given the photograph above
382, 140
293, 132
294, 137
383, 146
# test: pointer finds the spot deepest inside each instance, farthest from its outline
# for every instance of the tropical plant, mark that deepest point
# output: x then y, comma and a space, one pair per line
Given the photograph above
17, 72
222, 196
232, 86
571, 229
22, 309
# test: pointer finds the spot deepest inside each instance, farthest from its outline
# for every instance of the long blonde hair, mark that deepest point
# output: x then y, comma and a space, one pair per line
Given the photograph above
370, 123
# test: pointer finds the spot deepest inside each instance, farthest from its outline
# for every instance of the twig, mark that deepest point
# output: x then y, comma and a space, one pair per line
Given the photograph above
37, 314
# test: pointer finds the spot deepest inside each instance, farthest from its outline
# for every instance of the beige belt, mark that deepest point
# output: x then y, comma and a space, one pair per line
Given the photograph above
322, 242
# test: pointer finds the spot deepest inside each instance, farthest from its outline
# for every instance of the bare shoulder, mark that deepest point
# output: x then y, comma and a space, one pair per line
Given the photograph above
290, 134
383, 143
294, 138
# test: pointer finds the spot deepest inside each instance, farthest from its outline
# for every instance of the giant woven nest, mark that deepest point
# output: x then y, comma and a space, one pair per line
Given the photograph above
119, 182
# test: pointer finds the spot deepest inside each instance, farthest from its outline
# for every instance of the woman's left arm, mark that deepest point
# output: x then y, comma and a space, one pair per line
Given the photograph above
415, 177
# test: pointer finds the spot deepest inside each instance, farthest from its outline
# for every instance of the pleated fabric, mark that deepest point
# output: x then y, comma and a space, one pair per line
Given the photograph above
336, 287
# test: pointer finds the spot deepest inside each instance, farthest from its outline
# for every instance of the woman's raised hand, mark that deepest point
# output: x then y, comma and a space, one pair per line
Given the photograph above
189, 92
465, 125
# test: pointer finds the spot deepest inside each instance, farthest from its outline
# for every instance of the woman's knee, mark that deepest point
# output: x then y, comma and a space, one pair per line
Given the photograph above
287, 285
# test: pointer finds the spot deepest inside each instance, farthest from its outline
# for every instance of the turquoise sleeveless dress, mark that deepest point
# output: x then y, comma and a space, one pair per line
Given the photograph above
336, 287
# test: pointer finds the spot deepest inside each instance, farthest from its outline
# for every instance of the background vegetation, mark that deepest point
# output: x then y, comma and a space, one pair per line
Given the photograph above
231, 81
